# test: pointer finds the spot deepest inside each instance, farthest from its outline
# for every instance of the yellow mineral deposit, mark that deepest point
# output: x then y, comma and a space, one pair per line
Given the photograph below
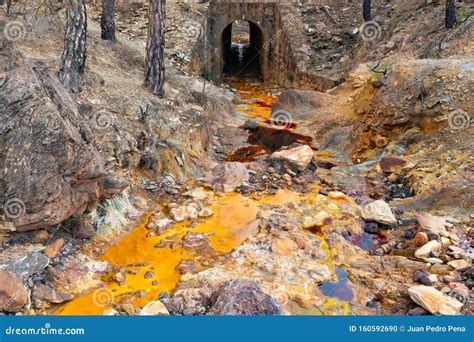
229, 225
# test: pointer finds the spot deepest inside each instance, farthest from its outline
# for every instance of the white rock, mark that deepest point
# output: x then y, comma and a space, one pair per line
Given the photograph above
459, 264
110, 312
162, 223
433, 278
206, 212
378, 211
199, 194
319, 273
425, 250
154, 309
184, 213
434, 301
454, 238
433, 260
452, 220
456, 249
299, 156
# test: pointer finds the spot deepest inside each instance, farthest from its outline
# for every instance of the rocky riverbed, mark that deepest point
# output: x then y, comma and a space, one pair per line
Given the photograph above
280, 235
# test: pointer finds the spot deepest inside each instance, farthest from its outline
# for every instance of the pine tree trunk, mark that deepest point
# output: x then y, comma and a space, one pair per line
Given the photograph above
366, 9
450, 19
7, 6
74, 55
154, 60
107, 22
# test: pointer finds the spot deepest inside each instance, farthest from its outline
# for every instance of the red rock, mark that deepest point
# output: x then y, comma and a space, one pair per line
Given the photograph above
13, 294
242, 297
40, 236
67, 277
379, 141
53, 249
84, 230
420, 239
48, 294
392, 164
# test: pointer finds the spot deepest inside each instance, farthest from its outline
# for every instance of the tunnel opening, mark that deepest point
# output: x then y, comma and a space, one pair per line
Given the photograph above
242, 50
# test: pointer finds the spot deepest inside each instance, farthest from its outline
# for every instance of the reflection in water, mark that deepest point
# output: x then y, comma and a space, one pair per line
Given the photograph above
341, 290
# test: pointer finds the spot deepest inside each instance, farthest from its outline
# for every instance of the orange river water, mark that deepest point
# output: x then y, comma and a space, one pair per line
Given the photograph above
256, 100
232, 214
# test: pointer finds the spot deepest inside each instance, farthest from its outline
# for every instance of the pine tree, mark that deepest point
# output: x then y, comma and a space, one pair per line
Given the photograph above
154, 60
107, 22
450, 17
366, 9
73, 59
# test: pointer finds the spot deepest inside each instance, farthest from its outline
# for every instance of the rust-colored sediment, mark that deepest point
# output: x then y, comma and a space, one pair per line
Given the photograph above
257, 99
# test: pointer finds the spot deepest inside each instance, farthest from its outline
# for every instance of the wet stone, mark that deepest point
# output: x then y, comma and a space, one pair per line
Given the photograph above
250, 125
409, 234
371, 227
149, 275
163, 244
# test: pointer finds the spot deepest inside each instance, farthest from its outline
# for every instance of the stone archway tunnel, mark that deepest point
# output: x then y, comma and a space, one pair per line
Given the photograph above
273, 28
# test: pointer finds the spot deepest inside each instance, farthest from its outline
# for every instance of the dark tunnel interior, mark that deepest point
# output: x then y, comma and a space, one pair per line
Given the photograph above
242, 49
